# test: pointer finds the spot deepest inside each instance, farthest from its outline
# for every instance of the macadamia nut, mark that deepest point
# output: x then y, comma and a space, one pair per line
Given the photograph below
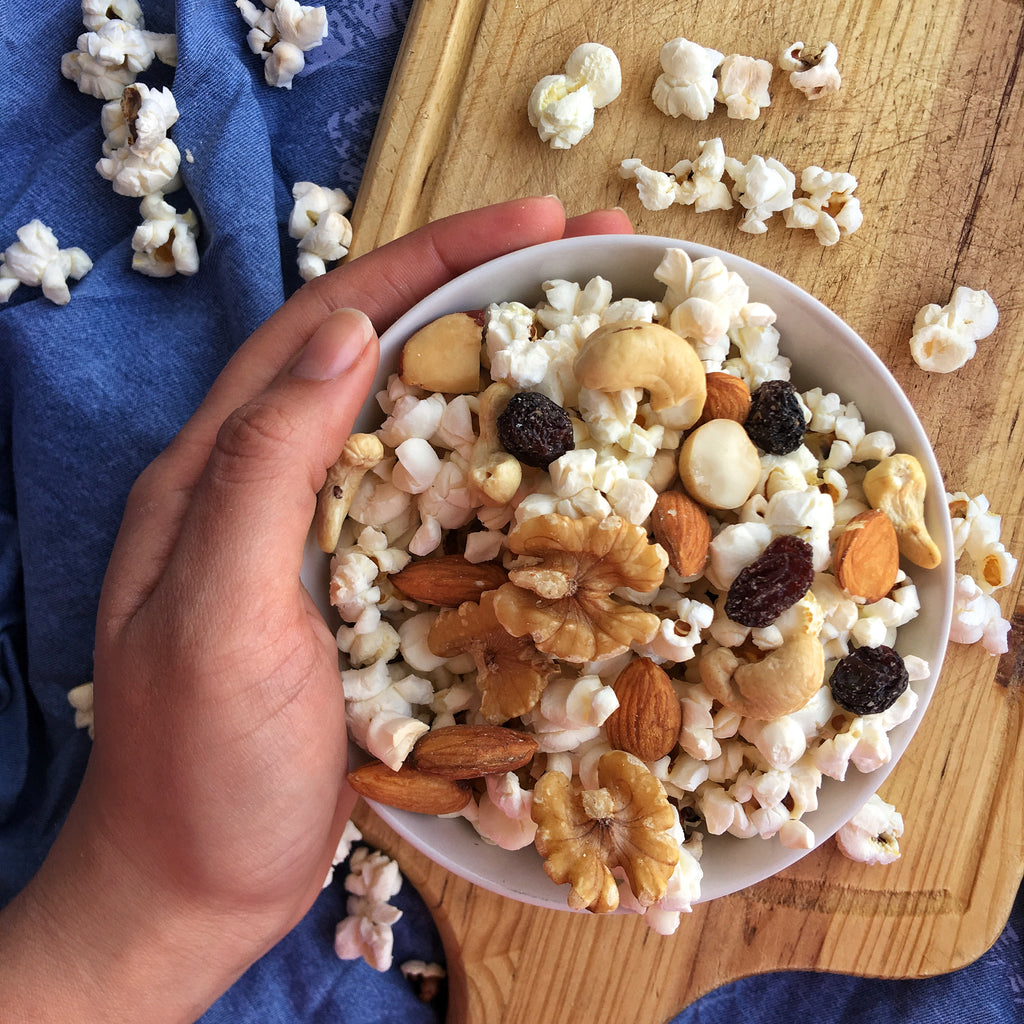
719, 465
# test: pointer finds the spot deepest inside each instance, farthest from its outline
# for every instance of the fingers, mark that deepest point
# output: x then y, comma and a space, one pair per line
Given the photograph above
386, 282
599, 222
243, 524
383, 284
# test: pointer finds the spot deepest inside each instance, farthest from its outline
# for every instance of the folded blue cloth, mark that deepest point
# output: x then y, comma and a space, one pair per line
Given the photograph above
91, 392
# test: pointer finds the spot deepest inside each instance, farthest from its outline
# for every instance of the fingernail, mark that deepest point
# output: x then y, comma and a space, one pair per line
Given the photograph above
335, 346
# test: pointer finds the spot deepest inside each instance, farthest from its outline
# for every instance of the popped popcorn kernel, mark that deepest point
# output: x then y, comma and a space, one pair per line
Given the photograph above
687, 85
36, 259
561, 107
945, 337
281, 34
366, 932
872, 835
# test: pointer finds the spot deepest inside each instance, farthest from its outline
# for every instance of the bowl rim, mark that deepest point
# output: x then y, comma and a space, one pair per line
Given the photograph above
545, 261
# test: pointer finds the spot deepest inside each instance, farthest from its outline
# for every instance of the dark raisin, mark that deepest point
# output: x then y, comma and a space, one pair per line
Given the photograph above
776, 421
773, 582
534, 429
869, 680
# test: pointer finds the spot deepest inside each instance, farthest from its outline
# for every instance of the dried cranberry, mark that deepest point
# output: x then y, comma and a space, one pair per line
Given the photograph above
773, 582
534, 429
776, 421
869, 680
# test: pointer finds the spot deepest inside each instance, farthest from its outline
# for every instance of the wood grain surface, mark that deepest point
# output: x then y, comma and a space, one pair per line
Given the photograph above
930, 121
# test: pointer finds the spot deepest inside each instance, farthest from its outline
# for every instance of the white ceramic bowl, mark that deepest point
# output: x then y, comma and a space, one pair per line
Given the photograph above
826, 353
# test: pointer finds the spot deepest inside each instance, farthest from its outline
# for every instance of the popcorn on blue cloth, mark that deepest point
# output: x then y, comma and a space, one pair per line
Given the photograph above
91, 391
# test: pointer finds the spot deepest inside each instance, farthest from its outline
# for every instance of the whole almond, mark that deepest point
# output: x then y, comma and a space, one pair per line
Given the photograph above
409, 789
681, 526
647, 721
866, 556
472, 751
448, 580
728, 398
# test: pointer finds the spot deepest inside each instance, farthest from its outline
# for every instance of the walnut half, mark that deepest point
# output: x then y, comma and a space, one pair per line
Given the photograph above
511, 673
562, 593
584, 834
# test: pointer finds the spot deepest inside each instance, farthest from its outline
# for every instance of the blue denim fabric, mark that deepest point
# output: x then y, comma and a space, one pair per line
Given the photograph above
91, 392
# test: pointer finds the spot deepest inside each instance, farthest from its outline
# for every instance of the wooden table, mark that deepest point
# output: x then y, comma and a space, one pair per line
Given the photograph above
930, 121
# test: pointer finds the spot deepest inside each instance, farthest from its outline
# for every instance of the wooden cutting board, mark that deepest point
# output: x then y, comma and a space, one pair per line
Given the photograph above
929, 119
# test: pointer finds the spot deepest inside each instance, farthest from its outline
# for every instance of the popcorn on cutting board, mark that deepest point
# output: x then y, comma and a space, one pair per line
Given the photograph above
561, 107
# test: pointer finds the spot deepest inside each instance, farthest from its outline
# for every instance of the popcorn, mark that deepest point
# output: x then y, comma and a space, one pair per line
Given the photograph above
352, 589
382, 721
96, 13
812, 71
699, 181
656, 189
81, 699
743, 86
704, 296
687, 84
944, 336
756, 340
318, 222
872, 835
139, 159
830, 209
364, 648
571, 712
164, 243
418, 466
349, 835
680, 630
366, 931
503, 813
569, 304
976, 535
561, 107
696, 183
281, 33
114, 50
425, 978
762, 187
977, 617
36, 260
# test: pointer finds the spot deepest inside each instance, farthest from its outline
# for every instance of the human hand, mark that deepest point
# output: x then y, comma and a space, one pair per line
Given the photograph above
214, 798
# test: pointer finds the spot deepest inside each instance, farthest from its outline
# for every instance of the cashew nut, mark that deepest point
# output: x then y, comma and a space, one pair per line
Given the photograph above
361, 453
896, 486
638, 354
781, 682
494, 472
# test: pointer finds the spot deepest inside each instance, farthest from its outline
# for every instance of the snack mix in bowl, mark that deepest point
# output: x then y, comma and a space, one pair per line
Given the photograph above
628, 567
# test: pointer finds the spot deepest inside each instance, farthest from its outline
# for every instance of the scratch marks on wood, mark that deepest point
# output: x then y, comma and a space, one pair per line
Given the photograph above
988, 155
1010, 673
816, 897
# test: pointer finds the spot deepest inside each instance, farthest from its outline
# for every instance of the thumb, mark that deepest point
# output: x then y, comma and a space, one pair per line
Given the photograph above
252, 506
